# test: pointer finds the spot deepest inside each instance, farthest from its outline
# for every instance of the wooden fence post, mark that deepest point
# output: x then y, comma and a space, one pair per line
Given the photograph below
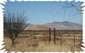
54, 36
74, 40
61, 39
49, 35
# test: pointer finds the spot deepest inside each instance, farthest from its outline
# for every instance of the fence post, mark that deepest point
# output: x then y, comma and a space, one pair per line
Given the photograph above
61, 39
49, 35
74, 40
54, 36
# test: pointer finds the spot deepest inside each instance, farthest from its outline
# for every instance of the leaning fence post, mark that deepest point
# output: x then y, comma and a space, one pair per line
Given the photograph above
54, 36
49, 35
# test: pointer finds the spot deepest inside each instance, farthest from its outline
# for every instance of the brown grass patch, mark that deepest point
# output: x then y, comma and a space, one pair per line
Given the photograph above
26, 44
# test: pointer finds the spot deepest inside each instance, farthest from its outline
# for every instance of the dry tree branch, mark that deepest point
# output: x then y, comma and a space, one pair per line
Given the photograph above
70, 5
57, 13
14, 23
49, 6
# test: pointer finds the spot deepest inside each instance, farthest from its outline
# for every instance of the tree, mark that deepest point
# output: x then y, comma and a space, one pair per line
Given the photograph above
75, 6
14, 23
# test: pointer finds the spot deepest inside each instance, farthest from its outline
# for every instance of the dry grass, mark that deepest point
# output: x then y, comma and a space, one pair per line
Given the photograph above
26, 44
39, 43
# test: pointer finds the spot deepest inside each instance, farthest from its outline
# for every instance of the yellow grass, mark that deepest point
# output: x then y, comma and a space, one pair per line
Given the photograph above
43, 46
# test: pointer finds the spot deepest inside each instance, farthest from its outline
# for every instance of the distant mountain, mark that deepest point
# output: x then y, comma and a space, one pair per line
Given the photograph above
66, 25
29, 25
37, 27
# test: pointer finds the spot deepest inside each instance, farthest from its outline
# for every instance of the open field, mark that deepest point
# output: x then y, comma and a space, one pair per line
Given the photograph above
39, 42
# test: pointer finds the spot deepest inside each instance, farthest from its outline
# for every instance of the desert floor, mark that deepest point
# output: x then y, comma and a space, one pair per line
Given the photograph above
42, 44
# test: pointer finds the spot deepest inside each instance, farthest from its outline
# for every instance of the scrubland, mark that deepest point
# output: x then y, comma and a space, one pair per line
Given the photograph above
40, 43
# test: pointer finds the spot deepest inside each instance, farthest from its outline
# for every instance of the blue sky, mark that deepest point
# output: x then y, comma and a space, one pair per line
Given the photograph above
45, 12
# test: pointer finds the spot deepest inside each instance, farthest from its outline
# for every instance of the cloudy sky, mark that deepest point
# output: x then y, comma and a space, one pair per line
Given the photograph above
46, 12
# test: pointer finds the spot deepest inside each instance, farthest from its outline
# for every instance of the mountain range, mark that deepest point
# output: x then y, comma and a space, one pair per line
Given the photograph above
65, 25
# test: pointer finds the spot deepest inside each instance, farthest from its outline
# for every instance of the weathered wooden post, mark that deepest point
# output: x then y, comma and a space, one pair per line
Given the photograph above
49, 35
54, 36
74, 39
61, 39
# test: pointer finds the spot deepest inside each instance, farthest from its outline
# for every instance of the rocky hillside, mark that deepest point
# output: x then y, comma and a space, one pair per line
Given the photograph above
66, 25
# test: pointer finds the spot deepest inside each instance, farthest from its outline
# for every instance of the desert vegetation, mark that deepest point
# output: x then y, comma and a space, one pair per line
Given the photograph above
40, 43
38, 38
14, 23
50, 37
